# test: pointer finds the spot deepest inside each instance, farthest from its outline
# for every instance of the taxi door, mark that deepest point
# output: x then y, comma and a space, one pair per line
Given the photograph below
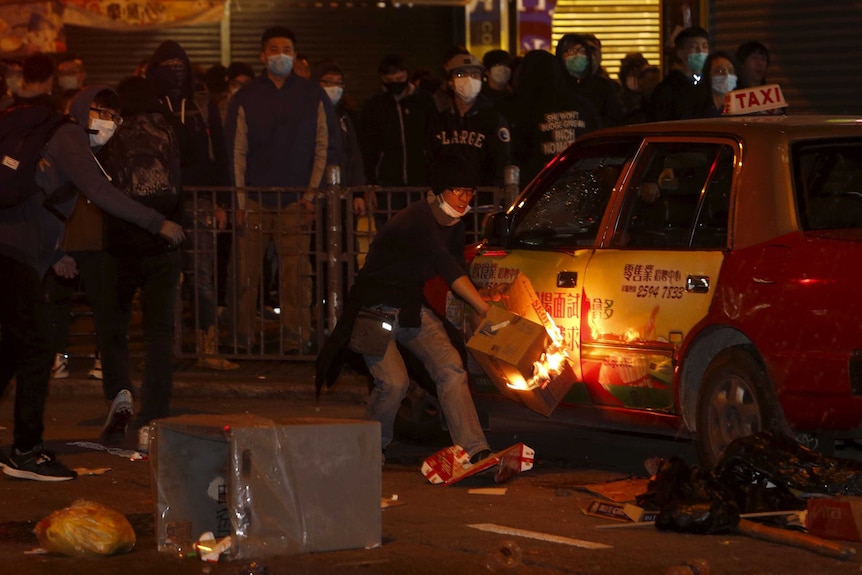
655, 274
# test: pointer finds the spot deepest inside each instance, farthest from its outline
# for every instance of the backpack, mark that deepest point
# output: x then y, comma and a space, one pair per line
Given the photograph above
24, 130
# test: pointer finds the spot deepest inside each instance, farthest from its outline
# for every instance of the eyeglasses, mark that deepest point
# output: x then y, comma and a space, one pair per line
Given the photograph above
574, 50
330, 83
108, 115
462, 192
475, 74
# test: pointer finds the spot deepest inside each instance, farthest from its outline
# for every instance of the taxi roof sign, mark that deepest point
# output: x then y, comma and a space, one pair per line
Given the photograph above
752, 100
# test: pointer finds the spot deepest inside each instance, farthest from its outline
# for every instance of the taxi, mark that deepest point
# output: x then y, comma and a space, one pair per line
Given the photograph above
705, 276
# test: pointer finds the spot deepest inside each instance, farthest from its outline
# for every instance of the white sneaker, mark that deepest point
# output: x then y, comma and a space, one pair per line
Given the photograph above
60, 369
144, 439
96, 370
119, 415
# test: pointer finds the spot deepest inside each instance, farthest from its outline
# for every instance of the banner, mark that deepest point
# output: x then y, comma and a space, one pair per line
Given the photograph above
31, 27
141, 14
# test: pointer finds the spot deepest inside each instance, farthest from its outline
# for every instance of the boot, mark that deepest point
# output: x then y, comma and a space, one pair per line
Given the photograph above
208, 342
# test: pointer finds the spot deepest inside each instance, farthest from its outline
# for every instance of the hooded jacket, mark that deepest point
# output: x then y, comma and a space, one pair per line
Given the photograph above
29, 232
599, 90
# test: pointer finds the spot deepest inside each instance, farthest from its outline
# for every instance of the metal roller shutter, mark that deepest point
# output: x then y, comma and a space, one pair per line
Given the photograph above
813, 48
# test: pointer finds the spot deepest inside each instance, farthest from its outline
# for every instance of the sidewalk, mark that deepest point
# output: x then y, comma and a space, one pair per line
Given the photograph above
292, 380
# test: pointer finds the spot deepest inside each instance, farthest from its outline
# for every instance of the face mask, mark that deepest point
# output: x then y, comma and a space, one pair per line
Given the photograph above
279, 65
723, 84
467, 89
105, 129
450, 211
334, 93
500, 74
395, 88
14, 83
695, 62
68, 82
576, 65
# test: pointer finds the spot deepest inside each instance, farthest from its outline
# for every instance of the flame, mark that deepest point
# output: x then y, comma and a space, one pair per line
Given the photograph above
549, 365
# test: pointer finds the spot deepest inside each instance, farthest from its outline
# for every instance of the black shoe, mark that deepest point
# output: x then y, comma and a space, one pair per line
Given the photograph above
479, 456
38, 465
4, 461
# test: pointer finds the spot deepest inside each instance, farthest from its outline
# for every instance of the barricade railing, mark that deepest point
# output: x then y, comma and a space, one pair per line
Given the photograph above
269, 281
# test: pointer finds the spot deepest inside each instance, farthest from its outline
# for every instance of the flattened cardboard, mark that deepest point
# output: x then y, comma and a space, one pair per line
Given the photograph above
452, 464
835, 517
617, 511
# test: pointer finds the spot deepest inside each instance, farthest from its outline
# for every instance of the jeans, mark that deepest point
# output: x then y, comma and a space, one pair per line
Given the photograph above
430, 344
157, 277
24, 349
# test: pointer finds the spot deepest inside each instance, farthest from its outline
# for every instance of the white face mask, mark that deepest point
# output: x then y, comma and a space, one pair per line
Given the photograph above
500, 74
106, 129
467, 89
335, 93
450, 211
68, 82
723, 84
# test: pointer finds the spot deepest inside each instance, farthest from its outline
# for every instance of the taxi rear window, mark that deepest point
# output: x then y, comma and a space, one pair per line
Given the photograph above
828, 184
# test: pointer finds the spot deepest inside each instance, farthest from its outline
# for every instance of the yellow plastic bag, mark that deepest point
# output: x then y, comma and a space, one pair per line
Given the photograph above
86, 529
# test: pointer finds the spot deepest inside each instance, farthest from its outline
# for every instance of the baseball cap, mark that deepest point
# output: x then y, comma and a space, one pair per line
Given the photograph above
462, 61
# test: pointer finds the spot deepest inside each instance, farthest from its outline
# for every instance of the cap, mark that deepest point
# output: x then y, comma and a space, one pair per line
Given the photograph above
452, 171
462, 61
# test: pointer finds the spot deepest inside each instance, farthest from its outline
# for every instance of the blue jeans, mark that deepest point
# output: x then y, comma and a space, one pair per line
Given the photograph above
430, 344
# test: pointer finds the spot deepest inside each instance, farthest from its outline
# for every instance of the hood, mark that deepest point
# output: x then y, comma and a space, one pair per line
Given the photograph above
170, 71
572, 39
79, 109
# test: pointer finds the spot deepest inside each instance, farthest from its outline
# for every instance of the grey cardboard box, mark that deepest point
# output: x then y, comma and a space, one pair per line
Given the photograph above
276, 487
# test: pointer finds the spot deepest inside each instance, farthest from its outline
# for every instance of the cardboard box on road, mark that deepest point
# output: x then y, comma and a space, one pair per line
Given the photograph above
506, 346
277, 488
835, 518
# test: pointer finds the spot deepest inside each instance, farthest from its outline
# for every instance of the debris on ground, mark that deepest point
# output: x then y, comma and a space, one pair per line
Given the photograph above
86, 529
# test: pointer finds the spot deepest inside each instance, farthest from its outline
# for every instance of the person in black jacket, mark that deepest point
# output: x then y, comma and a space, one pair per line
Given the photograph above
471, 127
575, 55
143, 159
422, 241
682, 95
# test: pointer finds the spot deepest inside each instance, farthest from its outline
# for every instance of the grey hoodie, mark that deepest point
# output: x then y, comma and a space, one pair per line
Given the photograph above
29, 232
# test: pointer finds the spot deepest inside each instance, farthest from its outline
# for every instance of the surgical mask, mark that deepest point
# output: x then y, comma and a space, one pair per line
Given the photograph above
577, 64
500, 74
68, 82
335, 93
450, 211
104, 130
723, 84
695, 62
467, 88
395, 88
279, 65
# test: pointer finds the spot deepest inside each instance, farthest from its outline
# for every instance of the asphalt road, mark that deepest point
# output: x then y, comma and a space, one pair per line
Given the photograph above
429, 533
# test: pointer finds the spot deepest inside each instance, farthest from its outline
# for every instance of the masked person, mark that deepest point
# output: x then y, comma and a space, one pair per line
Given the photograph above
575, 54
719, 75
470, 126
29, 235
420, 242
682, 95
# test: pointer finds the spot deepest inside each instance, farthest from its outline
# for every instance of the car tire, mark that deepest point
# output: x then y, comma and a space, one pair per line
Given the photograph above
419, 418
734, 401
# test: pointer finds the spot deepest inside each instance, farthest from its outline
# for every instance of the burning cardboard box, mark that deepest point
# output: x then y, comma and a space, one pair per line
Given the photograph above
521, 359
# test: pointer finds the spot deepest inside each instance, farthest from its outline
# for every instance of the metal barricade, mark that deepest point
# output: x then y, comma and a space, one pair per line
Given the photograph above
274, 286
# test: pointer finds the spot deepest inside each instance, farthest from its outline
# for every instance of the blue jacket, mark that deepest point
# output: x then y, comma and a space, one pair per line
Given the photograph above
29, 232
280, 136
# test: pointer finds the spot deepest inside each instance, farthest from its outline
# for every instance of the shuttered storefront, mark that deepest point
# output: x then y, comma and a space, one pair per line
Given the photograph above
623, 26
814, 48
355, 34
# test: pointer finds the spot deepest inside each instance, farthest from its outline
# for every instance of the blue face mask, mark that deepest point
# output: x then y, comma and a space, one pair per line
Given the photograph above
576, 65
695, 62
279, 65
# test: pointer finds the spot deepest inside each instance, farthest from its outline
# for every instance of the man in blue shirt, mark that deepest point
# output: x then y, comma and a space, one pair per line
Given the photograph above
281, 131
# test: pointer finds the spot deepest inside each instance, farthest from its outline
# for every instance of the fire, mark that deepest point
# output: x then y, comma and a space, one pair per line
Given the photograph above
549, 365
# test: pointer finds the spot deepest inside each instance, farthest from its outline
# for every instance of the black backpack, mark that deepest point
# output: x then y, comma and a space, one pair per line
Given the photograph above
24, 130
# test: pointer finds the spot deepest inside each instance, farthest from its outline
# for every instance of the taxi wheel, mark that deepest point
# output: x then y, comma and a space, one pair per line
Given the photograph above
733, 402
419, 418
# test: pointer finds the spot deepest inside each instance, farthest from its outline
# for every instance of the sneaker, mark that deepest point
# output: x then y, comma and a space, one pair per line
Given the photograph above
144, 439
479, 456
3, 459
96, 370
60, 369
121, 412
38, 465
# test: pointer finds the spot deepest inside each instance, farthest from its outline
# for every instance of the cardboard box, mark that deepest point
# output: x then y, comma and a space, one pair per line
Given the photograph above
835, 518
506, 346
618, 511
292, 486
